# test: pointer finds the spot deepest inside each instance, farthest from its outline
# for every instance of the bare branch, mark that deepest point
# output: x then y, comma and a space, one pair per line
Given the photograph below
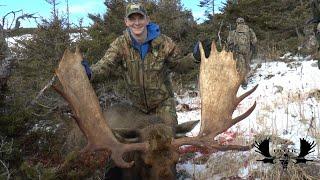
23, 16
6, 168
5, 147
48, 85
13, 19
221, 24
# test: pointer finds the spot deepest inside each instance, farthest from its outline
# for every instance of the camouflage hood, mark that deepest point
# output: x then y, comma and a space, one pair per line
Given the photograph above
153, 32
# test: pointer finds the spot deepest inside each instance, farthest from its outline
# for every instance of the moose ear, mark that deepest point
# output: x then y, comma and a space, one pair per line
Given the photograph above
184, 128
126, 134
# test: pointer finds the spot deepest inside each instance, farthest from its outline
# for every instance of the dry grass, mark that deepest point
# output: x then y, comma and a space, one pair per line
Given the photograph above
239, 165
293, 172
315, 94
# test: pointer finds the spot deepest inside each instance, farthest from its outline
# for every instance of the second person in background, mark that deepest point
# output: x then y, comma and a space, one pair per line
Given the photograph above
242, 42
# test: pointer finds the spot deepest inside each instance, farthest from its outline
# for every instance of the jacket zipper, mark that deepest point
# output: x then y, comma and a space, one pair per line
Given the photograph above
142, 81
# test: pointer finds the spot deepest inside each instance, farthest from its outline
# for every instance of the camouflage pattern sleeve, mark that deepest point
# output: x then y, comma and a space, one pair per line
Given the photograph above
108, 62
230, 38
230, 41
176, 62
253, 37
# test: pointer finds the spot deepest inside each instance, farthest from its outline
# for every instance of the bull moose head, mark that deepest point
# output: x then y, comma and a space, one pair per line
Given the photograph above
219, 83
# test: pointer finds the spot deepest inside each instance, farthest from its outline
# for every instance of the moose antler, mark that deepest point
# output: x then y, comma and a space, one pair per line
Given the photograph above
219, 83
78, 92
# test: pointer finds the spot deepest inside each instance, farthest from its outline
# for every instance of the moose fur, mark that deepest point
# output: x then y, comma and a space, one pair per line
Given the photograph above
131, 125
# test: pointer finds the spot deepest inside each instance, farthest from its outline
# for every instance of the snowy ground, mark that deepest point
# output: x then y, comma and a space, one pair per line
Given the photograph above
14, 41
285, 108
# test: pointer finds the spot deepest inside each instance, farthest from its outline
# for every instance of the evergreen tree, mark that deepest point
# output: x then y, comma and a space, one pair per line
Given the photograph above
31, 122
275, 22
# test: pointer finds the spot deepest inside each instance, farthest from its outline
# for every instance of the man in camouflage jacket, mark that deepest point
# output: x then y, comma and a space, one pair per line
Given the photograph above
242, 41
146, 58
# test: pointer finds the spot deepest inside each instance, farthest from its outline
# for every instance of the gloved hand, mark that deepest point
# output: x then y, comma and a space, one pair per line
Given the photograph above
85, 64
206, 44
196, 52
230, 47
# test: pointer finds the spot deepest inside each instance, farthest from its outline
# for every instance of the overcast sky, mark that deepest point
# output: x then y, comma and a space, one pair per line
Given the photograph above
78, 8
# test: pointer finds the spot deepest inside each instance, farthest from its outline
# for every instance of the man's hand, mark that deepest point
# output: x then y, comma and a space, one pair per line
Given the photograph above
254, 50
85, 64
230, 47
206, 46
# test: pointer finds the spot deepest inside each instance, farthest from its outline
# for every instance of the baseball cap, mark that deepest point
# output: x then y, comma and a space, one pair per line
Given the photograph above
135, 8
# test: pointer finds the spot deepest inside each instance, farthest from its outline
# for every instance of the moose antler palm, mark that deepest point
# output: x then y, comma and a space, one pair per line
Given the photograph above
219, 82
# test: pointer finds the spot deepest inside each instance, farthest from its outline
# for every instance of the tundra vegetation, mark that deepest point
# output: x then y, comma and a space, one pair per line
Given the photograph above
36, 131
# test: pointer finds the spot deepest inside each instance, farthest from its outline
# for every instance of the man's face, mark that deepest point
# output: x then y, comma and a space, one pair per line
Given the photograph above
137, 23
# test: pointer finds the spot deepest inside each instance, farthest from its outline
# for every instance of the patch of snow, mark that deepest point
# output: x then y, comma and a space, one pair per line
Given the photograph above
12, 41
287, 55
74, 37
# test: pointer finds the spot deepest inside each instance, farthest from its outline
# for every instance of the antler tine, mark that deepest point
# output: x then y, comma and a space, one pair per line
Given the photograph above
78, 92
250, 110
207, 142
213, 49
243, 96
202, 53
246, 114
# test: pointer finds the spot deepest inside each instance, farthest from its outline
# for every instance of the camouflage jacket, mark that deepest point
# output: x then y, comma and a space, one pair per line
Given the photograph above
234, 39
148, 81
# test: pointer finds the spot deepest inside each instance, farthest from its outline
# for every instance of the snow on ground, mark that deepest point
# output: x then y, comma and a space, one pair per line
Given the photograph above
284, 108
283, 99
14, 41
